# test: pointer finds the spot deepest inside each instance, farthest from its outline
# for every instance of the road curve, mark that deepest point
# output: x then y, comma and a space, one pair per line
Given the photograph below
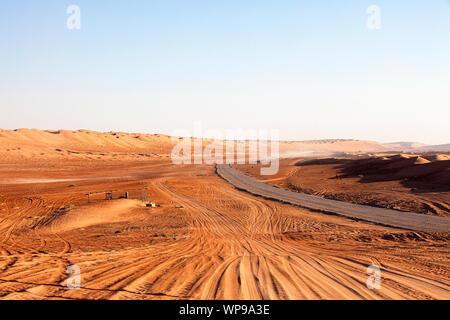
386, 217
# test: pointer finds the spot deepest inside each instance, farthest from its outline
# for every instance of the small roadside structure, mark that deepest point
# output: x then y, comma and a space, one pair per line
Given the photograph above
108, 194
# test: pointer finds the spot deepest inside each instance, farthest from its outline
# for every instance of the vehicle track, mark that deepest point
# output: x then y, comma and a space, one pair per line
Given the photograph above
234, 246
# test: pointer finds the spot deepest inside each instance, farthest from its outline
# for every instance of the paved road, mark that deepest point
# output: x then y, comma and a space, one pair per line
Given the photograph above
387, 217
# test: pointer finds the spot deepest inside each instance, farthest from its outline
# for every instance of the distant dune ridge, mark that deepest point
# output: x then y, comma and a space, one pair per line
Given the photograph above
417, 147
436, 148
405, 145
27, 143
81, 143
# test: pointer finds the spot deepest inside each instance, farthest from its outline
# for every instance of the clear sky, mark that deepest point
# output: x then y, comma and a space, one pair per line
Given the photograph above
312, 69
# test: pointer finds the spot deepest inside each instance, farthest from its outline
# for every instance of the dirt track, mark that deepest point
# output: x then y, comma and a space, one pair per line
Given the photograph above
387, 217
223, 244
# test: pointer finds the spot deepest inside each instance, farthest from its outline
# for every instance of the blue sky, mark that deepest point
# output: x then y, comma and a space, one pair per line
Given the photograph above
311, 69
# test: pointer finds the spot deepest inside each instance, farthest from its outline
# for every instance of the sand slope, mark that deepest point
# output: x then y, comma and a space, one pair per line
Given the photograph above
85, 144
29, 143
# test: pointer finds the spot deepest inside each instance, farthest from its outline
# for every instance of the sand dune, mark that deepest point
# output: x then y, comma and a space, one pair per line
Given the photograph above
400, 167
80, 144
96, 214
86, 144
395, 167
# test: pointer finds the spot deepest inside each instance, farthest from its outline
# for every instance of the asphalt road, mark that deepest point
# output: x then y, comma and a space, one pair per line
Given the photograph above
387, 217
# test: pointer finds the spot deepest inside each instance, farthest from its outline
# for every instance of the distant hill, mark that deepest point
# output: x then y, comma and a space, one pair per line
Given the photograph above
435, 148
328, 147
33, 143
404, 145
417, 147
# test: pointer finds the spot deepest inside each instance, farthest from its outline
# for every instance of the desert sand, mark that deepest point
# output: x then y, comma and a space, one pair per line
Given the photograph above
205, 239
